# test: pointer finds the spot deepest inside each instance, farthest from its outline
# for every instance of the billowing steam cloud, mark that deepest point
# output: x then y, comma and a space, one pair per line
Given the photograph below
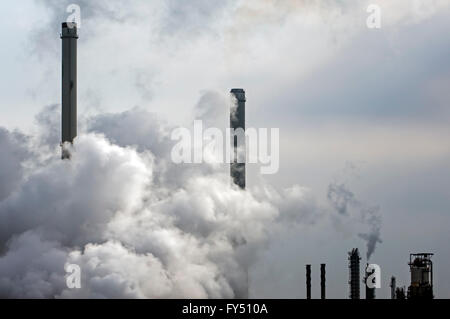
12, 155
343, 201
137, 225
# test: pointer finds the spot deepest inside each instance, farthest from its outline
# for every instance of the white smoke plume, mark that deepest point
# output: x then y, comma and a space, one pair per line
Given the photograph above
344, 201
373, 219
138, 225
13, 153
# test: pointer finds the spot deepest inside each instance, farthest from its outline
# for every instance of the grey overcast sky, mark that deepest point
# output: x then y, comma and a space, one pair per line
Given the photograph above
368, 108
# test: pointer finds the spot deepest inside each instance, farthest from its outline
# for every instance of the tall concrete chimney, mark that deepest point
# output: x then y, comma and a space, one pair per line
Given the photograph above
237, 165
308, 281
322, 281
237, 123
69, 36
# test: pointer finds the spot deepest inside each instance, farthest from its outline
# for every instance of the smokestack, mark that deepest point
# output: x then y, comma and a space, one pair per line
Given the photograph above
69, 36
370, 292
393, 287
322, 281
237, 166
237, 124
353, 265
308, 281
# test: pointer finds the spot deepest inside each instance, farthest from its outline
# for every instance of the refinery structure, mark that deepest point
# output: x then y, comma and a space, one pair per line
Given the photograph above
421, 274
421, 268
420, 264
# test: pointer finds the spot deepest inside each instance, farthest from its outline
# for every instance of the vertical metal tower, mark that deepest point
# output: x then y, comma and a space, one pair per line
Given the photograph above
354, 276
69, 36
237, 123
322, 281
308, 281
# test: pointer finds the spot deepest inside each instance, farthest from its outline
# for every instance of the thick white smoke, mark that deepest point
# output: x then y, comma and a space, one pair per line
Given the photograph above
13, 153
138, 225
